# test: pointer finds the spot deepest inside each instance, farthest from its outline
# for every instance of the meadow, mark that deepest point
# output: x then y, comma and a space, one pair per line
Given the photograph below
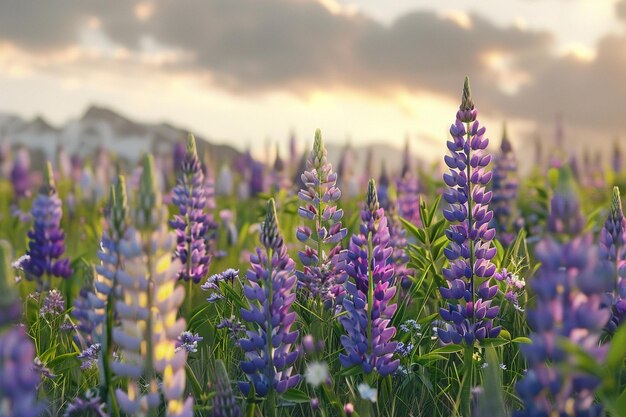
266, 291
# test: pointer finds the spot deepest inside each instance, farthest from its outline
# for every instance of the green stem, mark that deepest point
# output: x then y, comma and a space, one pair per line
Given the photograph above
149, 370
107, 352
466, 387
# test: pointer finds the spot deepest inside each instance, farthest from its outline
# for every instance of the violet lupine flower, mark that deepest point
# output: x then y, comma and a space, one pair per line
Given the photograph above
383, 188
192, 222
148, 324
149, 328
370, 289
212, 283
20, 175
408, 191
18, 380
257, 183
188, 341
268, 346
323, 271
91, 406
617, 161
565, 217
225, 181
569, 288
613, 250
53, 305
224, 402
278, 177
399, 242
469, 312
504, 188
89, 357
46, 245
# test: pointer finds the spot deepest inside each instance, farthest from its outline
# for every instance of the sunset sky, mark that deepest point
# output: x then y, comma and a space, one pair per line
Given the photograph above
243, 71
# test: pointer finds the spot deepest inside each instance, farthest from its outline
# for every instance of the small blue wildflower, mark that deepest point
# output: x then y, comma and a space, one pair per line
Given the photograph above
188, 341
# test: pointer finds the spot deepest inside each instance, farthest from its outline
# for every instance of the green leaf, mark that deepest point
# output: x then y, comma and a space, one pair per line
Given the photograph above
522, 339
491, 402
448, 349
494, 342
617, 349
505, 334
296, 396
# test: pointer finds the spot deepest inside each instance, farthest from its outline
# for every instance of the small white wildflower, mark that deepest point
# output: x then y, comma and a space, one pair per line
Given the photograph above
503, 366
316, 373
484, 365
367, 393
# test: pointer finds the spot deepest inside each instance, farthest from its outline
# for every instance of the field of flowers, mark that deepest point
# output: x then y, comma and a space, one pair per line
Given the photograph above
263, 291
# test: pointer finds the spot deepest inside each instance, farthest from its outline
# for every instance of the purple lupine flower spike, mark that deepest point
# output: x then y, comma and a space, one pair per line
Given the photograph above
370, 289
399, 242
617, 160
268, 345
504, 188
612, 249
192, 222
408, 189
224, 403
469, 314
322, 256
147, 313
20, 175
46, 245
18, 379
569, 288
565, 217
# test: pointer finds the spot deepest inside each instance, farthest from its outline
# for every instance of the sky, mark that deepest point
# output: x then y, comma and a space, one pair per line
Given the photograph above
249, 71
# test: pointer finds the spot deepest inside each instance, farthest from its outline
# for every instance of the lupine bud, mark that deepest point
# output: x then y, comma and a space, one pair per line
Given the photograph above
370, 289
470, 313
565, 217
270, 293
148, 212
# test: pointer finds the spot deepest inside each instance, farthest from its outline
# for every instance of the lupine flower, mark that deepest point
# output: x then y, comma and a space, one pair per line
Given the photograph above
83, 312
618, 160
224, 402
20, 175
370, 289
89, 356
383, 188
257, 183
515, 287
569, 286
399, 256
192, 222
323, 271
565, 216
504, 188
18, 380
408, 189
148, 312
212, 283
46, 245
269, 357
235, 328
188, 341
279, 178
469, 312
613, 249
53, 305
91, 406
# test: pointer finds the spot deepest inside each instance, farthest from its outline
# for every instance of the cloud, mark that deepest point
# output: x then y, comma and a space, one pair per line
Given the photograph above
302, 46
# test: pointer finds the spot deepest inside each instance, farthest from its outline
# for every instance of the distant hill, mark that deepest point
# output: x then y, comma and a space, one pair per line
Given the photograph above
103, 127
